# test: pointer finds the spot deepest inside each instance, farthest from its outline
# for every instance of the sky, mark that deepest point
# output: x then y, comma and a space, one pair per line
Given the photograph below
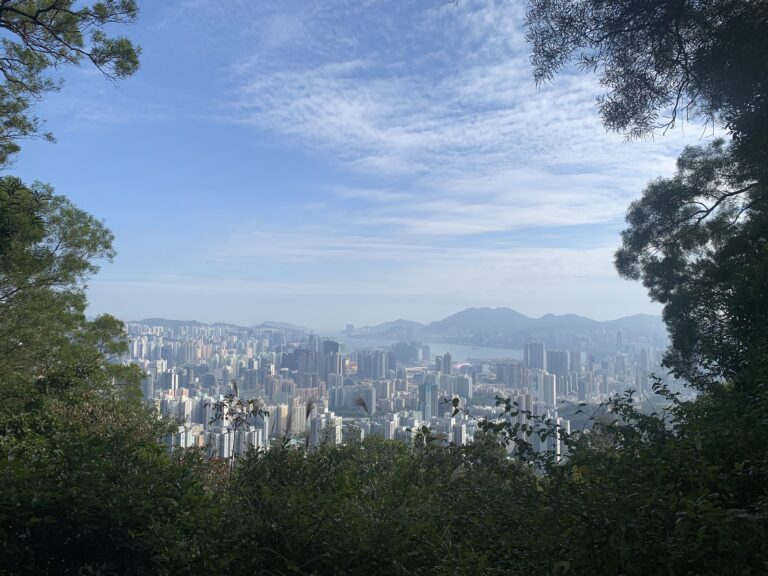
346, 161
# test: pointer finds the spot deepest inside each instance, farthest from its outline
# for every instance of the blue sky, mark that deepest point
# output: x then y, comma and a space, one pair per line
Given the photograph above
345, 161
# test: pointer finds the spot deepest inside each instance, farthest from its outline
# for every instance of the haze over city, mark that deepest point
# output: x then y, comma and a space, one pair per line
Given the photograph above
346, 162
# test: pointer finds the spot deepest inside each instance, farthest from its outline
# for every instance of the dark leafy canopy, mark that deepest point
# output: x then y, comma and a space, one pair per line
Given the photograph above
48, 248
45, 241
85, 487
43, 34
660, 60
699, 242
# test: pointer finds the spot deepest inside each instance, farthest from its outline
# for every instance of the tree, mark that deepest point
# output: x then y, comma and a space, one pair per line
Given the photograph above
48, 249
40, 35
699, 243
85, 487
660, 61
47, 245
696, 240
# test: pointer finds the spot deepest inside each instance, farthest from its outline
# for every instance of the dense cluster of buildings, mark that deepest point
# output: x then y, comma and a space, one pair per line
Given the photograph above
232, 388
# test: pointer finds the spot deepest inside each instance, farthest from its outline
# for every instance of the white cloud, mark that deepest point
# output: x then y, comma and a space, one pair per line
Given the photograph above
470, 113
469, 171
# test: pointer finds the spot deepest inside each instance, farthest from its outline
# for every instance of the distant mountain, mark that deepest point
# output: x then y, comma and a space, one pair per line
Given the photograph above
398, 324
507, 327
565, 323
481, 320
503, 327
165, 322
394, 329
640, 323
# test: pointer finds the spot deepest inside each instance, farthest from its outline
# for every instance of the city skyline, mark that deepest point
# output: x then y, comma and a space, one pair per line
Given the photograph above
229, 388
346, 163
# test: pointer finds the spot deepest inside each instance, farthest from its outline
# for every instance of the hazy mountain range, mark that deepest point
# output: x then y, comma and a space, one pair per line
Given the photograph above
507, 326
267, 324
483, 326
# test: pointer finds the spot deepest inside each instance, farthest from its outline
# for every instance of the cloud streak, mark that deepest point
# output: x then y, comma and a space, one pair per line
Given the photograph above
457, 117
447, 178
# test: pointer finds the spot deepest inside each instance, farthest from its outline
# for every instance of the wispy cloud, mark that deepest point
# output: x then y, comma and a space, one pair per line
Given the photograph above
452, 107
455, 180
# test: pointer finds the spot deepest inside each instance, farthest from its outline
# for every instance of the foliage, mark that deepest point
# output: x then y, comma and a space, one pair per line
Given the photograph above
378, 508
235, 414
40, 35
86, 488
679, 58
677, 492
47, 251
699, 242
674, 492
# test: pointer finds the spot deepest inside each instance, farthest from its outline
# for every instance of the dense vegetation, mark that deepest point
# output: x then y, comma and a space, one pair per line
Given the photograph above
85, 487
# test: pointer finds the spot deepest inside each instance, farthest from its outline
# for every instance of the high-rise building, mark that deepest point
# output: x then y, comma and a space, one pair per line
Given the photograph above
280, 420
459, 434
428, 400
548, 394
462, 386
148, 385
535, 356
367, 394
447, 364
373, 363
325, 428
384, 388
510, 374
575, 361
586, 388
558, 362
380, 364
335, 380
330, 347
524, 410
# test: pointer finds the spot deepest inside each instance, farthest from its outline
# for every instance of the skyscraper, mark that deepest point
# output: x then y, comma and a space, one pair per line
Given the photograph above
535, 356
549, 389
330, 347
428, 399
510, 373
558, 362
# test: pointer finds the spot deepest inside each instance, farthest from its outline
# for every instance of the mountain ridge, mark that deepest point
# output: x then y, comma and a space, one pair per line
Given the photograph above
495, 325
171, 323
473, 324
